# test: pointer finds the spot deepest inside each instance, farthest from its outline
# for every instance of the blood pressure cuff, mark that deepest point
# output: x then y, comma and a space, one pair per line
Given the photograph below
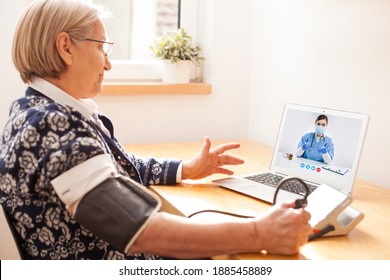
113, 207
116, 211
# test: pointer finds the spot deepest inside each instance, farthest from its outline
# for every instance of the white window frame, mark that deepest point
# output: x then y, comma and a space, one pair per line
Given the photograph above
143, 70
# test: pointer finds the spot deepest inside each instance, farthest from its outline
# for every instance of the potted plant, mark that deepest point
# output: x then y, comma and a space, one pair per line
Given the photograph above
177, 52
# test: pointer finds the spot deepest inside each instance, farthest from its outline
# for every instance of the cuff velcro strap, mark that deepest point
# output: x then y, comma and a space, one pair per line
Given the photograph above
117, 210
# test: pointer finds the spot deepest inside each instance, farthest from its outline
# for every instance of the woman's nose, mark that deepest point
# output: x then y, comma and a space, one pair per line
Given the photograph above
107, 65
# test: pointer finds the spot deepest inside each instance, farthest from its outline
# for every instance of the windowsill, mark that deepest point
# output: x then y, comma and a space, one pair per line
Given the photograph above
155, 88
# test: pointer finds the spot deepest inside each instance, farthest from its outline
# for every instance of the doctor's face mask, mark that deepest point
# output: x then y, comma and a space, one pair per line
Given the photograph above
320, 126
320, 129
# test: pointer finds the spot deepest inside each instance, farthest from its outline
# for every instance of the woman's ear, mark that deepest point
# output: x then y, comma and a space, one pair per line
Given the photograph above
65, 47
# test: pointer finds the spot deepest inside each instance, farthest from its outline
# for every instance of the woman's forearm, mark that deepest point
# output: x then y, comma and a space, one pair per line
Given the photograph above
179, 237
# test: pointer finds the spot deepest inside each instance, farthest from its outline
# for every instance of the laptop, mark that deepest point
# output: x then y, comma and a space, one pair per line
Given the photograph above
346, 130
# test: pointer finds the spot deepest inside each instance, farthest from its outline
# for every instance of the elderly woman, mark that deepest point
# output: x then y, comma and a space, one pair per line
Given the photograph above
70, 189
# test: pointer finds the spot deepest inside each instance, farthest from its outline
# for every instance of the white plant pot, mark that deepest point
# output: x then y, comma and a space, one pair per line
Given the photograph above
176, 73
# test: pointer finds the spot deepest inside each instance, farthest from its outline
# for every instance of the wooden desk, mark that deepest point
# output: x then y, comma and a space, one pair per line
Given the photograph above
369, 240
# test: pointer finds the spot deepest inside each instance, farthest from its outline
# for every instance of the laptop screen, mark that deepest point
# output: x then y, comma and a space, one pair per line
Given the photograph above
320, 145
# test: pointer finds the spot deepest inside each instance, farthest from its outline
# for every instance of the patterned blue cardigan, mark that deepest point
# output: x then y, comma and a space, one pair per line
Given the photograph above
41, 140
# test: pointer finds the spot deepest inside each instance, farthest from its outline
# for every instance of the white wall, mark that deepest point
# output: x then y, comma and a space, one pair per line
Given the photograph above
12, 86
260, 55
223, 114
326, 53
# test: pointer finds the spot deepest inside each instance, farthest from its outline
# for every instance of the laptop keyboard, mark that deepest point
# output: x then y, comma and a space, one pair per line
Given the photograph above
273, 180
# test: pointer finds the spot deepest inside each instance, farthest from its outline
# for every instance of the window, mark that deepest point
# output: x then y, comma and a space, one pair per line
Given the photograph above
136, 23
133, 27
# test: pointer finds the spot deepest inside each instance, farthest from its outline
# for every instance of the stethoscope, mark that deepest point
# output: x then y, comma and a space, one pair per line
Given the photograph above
312, 139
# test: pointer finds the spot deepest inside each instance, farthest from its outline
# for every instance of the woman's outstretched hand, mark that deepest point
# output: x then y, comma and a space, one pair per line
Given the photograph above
208, 162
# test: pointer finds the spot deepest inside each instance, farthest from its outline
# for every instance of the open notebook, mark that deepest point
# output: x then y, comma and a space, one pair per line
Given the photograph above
344, 135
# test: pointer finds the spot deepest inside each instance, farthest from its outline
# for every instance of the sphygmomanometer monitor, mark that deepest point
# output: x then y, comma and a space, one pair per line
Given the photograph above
330, 212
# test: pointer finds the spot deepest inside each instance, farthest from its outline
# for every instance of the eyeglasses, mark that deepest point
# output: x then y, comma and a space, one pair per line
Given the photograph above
107, 46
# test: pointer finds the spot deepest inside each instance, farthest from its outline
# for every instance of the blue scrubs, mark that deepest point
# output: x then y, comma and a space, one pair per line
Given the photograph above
313, 152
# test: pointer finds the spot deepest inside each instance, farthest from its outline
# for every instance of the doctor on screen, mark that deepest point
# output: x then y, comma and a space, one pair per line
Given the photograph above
316, 145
